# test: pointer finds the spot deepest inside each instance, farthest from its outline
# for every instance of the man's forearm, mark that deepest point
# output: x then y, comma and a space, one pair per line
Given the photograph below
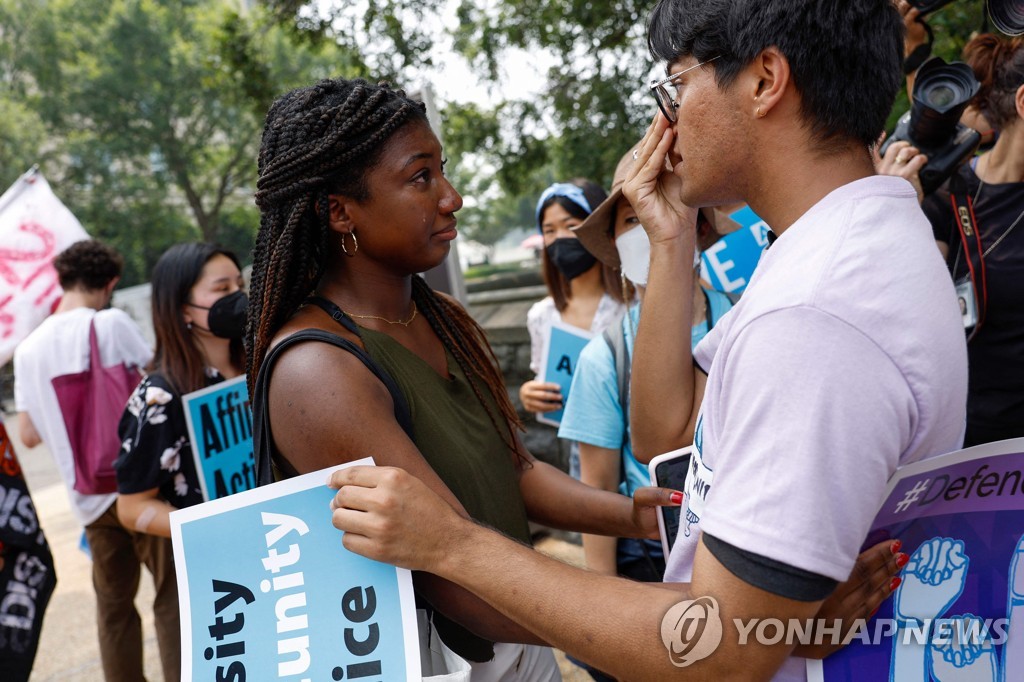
662, 393
617, 625
470, 611
611, 623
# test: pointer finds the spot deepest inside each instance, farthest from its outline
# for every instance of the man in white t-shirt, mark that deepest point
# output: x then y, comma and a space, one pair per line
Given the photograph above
88, 272
844, 359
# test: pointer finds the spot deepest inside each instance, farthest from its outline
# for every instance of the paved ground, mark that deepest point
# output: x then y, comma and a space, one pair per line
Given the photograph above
68, 650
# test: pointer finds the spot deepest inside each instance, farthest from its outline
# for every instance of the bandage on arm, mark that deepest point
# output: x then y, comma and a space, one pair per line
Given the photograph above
144, 519
145, 512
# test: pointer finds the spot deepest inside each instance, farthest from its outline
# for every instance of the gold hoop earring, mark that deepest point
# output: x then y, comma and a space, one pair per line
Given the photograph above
355, 244
758, 112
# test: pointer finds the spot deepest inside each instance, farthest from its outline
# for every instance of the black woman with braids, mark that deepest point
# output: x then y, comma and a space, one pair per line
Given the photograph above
354, 203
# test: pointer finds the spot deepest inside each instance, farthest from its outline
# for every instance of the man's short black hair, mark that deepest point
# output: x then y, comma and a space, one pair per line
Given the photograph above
845, 56
88, 265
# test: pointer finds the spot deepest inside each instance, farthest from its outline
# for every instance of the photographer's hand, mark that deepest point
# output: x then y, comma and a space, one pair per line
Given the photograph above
917, 35
653, 190
901, 159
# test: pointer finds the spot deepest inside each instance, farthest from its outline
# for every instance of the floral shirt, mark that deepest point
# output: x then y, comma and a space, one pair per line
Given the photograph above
155, 448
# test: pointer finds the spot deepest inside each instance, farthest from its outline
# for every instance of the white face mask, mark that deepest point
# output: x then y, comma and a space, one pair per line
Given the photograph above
634, 249
635, 255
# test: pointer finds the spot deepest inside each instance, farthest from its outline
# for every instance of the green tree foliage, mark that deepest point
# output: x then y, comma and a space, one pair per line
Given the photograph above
391, 37
146, 114
593, 105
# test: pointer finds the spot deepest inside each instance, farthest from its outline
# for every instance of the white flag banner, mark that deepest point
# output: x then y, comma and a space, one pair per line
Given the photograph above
34, 227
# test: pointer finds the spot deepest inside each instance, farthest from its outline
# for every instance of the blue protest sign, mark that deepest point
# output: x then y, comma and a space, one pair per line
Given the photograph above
562, 349
268, 592
220, 426
729, 262
958, 613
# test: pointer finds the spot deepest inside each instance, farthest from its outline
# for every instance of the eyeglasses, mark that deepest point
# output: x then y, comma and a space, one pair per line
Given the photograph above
666, 101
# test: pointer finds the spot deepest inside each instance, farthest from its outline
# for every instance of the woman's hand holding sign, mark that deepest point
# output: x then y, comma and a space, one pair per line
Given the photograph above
541, 396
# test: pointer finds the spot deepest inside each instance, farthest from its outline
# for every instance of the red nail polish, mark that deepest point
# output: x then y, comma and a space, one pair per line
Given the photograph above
676, 497
901, 560
894, 583
895, 546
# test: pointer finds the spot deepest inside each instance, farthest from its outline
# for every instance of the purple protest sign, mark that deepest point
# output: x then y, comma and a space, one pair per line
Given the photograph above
959, 612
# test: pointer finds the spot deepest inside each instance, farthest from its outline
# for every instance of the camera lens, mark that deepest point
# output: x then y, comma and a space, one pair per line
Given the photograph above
940, 96
1007, 16
941, 93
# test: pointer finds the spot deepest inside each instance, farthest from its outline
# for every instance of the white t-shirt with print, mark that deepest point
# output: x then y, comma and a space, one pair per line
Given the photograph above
60, 345
844, 359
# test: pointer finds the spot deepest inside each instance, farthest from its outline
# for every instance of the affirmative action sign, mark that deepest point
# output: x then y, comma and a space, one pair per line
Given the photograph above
220, 427
562, 349
268, 592
958, 613
729, 263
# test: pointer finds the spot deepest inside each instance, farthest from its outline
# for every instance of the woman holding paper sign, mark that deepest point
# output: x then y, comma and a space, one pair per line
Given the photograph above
198, 317
582, 292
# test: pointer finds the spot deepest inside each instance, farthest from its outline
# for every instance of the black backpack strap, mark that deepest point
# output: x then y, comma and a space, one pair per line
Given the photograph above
262, 441
615, 336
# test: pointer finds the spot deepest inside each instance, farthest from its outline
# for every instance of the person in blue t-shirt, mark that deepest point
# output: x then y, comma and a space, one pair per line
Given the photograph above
597, 414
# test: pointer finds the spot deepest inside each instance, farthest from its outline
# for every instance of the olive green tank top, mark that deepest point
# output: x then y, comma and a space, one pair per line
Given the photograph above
455, 436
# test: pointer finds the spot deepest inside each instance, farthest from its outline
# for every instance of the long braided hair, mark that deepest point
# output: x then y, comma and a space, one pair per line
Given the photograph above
323, 140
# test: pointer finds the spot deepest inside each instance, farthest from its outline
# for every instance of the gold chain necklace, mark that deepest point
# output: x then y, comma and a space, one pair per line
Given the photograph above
404, 323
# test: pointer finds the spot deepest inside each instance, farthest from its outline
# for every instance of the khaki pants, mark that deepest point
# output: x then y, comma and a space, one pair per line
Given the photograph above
117, 555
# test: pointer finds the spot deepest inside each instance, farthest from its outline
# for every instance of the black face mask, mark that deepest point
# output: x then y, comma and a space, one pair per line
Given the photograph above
227, 315
570, 257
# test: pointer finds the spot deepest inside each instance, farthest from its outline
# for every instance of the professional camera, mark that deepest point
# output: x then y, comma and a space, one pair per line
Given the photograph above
941, 93
1006, 15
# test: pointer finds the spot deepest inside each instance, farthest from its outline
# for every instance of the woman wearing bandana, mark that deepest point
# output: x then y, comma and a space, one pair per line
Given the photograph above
582, 292
199, 312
